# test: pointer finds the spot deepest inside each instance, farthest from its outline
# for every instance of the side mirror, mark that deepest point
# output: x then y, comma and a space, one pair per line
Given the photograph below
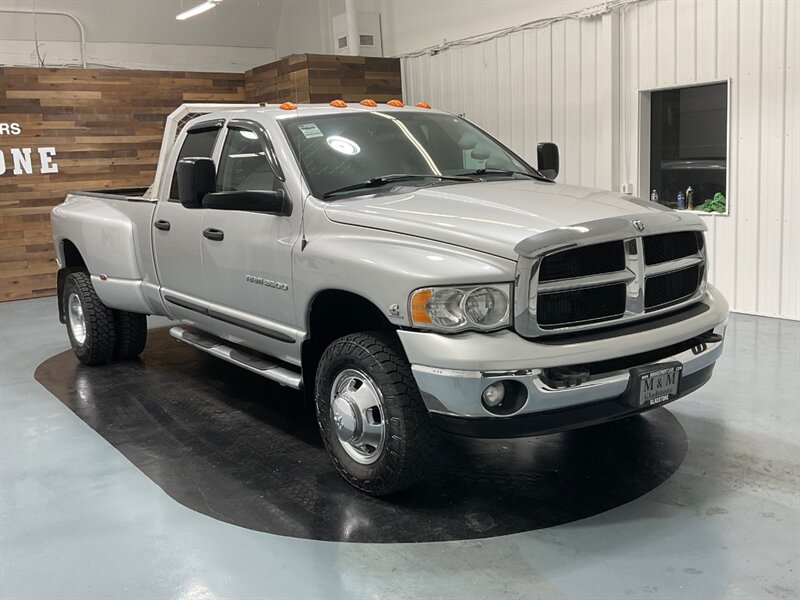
196, 178
547, 156
262, 201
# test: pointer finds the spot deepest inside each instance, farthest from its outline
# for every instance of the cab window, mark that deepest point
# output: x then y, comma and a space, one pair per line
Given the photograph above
199, 142
243, 164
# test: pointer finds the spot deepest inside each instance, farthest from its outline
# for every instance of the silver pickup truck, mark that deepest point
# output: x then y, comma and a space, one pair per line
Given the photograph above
405, 269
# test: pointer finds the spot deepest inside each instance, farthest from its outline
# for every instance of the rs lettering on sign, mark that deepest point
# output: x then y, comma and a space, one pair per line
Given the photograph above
25, 161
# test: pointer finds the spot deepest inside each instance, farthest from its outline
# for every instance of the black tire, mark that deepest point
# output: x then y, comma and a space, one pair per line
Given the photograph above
97, 345
410, 439
131, 332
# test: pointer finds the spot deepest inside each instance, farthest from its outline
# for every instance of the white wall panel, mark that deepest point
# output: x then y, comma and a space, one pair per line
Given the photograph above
667, 42
745, 181
531, 86
790, 222
558, 104
771, 180
542, 105
534, 85
572, 102
588, 102
647, 22
725, 248
580, 83
608, 107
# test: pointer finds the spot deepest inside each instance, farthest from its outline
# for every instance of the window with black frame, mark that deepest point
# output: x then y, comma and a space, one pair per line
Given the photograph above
688, 147
199, 142
243, 164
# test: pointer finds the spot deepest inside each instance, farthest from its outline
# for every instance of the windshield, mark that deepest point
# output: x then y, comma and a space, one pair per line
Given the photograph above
340, 150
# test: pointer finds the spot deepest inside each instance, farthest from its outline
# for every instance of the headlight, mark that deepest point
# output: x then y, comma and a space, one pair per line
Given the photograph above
459, 308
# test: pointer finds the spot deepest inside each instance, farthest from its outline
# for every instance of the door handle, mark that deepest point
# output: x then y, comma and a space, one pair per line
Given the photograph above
162, 225
214, 234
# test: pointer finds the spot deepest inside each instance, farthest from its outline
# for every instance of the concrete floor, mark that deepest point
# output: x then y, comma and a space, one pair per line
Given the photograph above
78, 520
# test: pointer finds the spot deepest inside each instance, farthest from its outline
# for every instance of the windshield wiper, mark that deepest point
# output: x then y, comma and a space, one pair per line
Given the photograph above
386, 179
492, 170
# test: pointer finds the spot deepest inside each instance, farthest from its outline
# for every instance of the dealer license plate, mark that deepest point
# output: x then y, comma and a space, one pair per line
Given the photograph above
655, 384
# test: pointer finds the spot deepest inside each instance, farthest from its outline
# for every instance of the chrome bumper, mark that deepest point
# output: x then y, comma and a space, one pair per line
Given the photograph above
456, 392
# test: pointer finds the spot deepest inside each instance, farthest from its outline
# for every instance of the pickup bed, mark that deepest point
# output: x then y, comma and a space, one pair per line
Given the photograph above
405, 269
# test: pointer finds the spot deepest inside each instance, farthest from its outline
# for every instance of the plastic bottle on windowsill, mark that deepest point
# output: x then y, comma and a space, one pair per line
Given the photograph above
654, 196
681, 201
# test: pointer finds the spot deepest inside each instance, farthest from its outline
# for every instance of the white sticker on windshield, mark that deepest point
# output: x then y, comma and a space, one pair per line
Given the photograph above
310, 130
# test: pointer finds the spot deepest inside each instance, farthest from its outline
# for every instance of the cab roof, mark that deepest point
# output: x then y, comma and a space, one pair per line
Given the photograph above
275, 110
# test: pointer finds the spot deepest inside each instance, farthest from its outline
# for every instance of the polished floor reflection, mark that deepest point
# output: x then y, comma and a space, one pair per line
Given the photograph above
244, 450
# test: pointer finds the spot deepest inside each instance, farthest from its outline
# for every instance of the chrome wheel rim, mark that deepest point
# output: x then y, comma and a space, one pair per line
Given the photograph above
77, 322
357, 416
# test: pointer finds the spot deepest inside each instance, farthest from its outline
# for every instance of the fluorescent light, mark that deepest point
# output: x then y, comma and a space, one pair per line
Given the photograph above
197, 10
193, 12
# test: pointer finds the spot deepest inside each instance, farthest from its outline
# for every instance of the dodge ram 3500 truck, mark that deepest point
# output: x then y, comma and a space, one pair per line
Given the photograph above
404, 268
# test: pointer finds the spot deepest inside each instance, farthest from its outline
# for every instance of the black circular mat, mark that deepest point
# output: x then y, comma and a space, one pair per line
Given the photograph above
241, 449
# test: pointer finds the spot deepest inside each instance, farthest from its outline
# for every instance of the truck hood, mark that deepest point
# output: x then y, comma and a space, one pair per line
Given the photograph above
492, 217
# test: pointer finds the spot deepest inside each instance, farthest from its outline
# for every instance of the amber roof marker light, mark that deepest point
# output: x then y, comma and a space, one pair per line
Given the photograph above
288, 106
338, 103
422, 105
396, 103
368, 102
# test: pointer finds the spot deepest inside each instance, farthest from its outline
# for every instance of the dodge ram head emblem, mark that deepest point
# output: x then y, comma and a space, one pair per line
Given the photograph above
638, 224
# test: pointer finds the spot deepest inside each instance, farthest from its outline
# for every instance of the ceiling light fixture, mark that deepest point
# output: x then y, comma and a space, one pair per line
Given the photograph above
197, 10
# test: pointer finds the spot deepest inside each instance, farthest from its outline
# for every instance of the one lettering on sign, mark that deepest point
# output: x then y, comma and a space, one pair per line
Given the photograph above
21, 160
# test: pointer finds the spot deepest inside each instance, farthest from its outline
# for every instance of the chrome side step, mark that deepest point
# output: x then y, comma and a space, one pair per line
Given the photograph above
246, 359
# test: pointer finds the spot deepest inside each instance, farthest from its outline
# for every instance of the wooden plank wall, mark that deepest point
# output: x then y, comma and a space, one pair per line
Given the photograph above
279, 81
323, 77
106, 127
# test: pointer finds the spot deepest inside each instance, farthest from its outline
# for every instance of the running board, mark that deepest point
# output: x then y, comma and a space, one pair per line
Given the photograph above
246, 359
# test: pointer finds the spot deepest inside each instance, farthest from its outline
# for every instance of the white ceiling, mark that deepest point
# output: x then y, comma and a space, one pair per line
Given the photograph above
247, 23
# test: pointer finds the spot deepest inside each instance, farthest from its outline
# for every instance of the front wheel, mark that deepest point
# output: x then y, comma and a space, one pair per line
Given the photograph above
372, 418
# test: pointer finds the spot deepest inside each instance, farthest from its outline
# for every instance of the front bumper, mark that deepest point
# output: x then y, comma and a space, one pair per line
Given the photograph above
563, 419
453, 371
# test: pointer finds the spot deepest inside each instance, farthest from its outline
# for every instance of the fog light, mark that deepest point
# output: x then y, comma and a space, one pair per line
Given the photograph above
505, 398
494, 394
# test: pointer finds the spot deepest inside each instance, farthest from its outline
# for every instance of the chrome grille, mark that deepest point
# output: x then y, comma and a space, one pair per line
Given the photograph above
580, 285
